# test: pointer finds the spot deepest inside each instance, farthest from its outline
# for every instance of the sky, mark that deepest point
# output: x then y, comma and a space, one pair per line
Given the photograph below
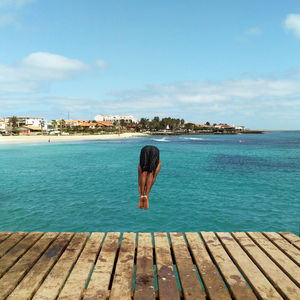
222, 61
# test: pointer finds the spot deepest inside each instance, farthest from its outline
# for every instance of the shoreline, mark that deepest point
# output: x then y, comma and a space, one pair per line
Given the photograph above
155, 133
7, 140
32, 139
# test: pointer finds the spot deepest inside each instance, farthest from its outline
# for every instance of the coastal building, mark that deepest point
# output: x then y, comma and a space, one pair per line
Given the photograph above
202, 126
83, 124
29, 129
4, 125
22, 122
32, 121
97, 124
224, 126
116, 118
239, 128
105, 124
67, 123
74, 123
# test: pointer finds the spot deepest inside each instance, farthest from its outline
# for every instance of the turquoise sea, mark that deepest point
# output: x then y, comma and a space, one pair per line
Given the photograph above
207, 182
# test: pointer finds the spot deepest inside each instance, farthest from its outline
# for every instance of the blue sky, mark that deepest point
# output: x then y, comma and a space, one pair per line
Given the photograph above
236, 62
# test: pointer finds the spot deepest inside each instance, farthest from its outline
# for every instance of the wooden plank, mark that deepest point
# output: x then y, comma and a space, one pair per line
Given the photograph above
4, 235
292, 238
11, 241
233, 278
31, 282
212, 282
17, 251
74, 287
189, 280
262, 287
17, 272
99, 282
292, 252
282, 283
167, 285
122, 281
52, 285
287, 265
144, 280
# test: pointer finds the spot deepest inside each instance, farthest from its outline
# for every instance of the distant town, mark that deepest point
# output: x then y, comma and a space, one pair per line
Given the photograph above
102, 124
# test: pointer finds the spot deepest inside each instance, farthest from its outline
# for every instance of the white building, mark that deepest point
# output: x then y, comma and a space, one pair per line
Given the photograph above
32, 121
240, 128
116, 118
3, 124
23, 121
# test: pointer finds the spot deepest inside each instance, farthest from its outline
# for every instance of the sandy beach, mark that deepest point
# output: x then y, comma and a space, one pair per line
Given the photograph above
4, 140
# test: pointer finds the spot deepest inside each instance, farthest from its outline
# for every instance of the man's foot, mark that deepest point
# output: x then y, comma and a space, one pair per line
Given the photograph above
146, 202
141, 202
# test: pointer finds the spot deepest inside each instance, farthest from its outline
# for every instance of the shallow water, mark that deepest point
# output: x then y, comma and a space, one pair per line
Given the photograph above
211, 183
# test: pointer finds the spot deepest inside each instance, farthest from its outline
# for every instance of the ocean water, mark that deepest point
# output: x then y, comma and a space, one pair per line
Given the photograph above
208, 182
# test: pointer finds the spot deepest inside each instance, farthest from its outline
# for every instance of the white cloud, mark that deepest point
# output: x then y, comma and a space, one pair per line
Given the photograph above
235, 101
44, 60
7, 19
292, 23
10, 10
100, 63
198, 93
35, 70
14, 4
248, 35
265, 102
255, 31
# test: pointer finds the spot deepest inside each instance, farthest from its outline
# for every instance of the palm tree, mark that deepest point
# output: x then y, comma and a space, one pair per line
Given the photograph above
13, 122
189, 126
42, 124
156, 123
62, 125
144, 123
54, 124
122, 123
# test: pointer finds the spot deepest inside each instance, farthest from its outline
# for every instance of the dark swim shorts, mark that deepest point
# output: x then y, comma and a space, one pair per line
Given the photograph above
149, 159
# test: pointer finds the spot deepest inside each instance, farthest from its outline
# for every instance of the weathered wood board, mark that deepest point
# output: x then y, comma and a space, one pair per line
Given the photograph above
146, 266
144, 278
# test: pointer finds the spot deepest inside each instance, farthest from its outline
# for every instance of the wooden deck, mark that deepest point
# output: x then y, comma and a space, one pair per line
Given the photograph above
172, 266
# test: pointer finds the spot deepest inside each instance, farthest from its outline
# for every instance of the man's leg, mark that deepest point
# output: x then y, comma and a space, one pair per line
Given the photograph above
142, 189
139, 180
143, 182
149, 183
141, 202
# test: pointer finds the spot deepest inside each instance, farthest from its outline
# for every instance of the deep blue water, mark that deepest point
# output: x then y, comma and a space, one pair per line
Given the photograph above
211, 183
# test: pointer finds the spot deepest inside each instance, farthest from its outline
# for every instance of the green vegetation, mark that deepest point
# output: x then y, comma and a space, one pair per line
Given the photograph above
164, 124
156, 126
13, 122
